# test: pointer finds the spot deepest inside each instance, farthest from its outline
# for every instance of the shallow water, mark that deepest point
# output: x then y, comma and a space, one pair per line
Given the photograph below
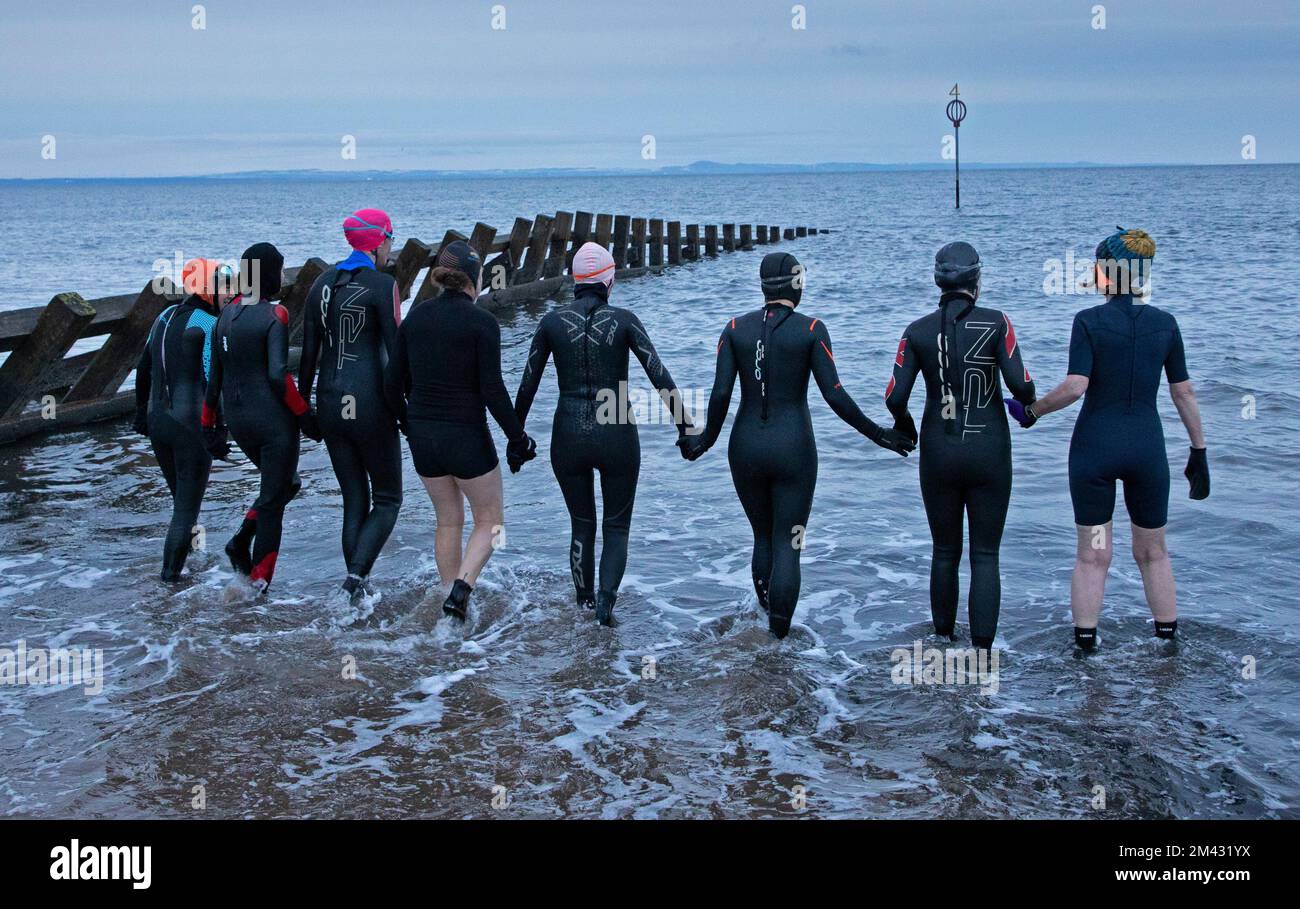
250, 701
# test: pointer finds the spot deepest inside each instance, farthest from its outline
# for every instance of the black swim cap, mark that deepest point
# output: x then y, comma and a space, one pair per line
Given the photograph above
782, 277
263, 261
957, 267
460, 255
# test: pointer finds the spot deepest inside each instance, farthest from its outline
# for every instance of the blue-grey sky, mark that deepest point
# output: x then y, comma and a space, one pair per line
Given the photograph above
133, 89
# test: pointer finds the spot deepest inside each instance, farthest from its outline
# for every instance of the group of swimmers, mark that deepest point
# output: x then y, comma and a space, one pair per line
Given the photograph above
216, 367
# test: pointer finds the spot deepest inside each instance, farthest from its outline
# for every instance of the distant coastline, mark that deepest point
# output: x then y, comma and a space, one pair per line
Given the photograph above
698, 168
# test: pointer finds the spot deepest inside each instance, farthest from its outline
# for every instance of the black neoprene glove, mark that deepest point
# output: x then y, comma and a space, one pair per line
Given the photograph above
310, 428
1198, 474
893, 440
519, 452
217, 442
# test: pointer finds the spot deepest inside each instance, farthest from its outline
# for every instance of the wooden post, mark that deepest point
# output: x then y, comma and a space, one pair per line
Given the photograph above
427, 287
789, 233
747, 237
773, 233
537, 246
674, 242
481, 239
762, 234
812, 231
560, 235
622, 223
692, 242
636, 255
57, 329
410, 261
728, 238
296, 298
518, 240
711, 240
604, 228
581, 234
657, 241
113, 362
801, 231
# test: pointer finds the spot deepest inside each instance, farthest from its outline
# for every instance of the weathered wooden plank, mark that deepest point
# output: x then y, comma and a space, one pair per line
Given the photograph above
561, 232
58, 328
113, 362
622, 226
747, 236
773, 233
415, 255
582, 222
296, 297
535, 255
711, 240
17, 324
761, 237
518, 241
789, 233
728, 238
480, 239
692, 250
636, 251
674, 242
604, 229
656, 241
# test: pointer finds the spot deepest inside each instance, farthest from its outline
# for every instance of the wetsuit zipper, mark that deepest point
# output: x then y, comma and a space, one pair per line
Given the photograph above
768, 330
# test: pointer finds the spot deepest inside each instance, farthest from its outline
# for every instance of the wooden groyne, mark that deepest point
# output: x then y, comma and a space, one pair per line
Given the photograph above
44, 388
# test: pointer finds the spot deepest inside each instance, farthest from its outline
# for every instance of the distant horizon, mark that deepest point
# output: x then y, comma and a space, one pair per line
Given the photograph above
695, 168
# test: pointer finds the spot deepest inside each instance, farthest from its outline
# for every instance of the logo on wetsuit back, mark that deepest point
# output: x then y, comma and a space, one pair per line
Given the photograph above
977, 381
352, 319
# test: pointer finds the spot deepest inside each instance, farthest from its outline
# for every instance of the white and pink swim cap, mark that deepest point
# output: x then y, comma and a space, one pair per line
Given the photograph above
592, 264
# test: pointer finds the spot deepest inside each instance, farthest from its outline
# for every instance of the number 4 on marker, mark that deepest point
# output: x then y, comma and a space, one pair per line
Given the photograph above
954, 91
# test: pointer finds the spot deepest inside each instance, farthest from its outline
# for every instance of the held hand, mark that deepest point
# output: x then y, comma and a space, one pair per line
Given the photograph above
519, 452
310, 428
906, 428
690, 446
1020, 413
1198, 474
217, 442
894, 441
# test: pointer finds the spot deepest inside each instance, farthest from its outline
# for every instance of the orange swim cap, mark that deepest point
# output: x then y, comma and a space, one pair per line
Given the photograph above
199, 276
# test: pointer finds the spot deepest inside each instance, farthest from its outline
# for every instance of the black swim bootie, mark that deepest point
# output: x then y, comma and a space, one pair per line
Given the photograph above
457, 602
779, 625
605, 607
1085, 639
238, 551
587, 598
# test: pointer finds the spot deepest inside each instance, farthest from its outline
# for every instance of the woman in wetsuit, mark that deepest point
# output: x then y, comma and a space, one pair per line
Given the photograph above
593, 428
1117, 352
262, 407
444, 375
350, 330
961, 349
772, 452
170, 383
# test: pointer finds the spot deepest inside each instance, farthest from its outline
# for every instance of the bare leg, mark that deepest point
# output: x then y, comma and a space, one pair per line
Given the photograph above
485, 503
1091, 565
1152, 559
449, 505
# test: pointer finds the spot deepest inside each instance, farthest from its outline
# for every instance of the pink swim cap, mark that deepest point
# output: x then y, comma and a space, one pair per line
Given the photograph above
367, 229
592, 264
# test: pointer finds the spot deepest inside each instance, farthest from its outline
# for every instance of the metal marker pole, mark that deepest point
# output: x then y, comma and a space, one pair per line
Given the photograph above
956, 113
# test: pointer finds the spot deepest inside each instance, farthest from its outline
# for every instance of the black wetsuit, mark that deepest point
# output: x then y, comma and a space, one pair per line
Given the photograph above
773, 453
261, 405
170, 382
590, 341
965, 446
350, 329
1122, 346
444, 376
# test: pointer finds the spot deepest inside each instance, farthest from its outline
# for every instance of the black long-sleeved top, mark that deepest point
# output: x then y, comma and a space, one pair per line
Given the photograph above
446, 366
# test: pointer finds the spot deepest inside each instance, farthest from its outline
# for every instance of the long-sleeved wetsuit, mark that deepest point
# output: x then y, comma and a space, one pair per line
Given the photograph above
961, 349
593, 429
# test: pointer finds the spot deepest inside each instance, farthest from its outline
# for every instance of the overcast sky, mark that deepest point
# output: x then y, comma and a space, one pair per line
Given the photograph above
134, 89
